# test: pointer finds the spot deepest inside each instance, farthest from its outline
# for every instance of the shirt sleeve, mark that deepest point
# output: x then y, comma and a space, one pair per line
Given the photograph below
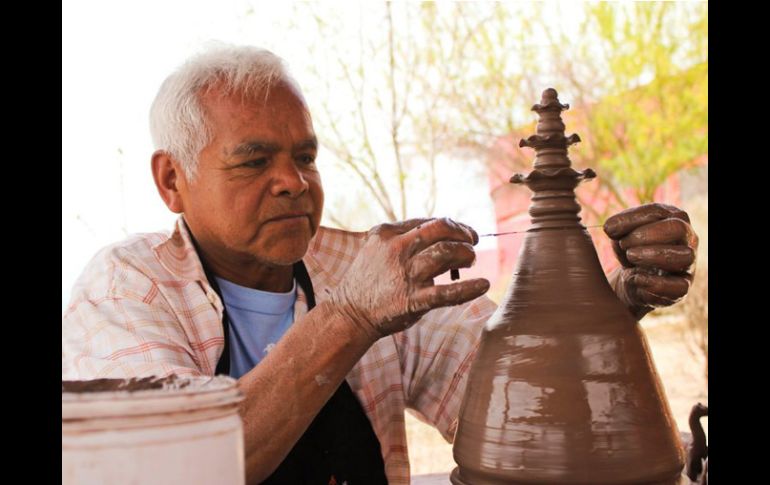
435, 356
118, 326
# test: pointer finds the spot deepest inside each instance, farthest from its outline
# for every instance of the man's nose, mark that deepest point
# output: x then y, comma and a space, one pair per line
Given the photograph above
288, 179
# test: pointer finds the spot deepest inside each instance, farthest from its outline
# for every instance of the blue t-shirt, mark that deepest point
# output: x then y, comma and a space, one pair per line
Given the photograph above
257, 319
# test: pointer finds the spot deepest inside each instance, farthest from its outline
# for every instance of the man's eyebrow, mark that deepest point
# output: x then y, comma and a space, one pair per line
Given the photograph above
254, 146
259, 146
309, 144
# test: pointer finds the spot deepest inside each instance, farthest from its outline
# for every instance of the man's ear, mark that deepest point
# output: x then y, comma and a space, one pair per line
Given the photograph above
169, 179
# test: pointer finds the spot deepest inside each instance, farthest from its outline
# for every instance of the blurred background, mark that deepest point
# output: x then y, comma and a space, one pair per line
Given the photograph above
419, 108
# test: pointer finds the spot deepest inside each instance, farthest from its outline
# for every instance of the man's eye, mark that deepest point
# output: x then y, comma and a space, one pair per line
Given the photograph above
256, 163
306, 159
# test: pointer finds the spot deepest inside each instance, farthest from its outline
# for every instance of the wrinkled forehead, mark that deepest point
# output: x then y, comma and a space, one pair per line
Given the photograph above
232, 117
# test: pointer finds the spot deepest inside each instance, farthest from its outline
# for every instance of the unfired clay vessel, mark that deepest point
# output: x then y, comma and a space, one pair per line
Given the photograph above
563, 389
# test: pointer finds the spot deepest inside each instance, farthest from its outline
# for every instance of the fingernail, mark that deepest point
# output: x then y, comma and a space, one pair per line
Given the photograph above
610, 227
634, 255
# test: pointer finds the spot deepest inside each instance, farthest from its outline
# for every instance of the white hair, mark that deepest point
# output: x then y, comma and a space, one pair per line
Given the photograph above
178, 124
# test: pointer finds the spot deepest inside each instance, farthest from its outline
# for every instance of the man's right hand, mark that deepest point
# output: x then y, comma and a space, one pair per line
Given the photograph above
389, 285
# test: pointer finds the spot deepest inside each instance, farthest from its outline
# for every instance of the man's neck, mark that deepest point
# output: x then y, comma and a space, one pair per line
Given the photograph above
276, 279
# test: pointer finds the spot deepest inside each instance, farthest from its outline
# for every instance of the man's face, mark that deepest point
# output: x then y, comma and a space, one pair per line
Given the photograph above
257, 195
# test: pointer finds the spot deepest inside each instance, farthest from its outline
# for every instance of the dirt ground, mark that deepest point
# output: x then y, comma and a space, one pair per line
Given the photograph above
681, 373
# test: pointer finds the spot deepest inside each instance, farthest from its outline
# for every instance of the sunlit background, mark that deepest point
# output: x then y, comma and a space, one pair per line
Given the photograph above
419, 108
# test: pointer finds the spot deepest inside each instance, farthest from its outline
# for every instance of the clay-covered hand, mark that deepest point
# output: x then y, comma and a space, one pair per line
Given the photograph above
389, 285
656, 246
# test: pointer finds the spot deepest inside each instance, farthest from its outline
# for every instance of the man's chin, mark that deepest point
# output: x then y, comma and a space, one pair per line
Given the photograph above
287, 257
286, 261
284, 248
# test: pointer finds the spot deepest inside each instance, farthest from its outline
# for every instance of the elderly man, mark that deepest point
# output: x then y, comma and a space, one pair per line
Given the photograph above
330, 334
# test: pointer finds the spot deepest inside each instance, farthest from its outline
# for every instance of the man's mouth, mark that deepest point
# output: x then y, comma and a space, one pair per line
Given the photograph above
288, 217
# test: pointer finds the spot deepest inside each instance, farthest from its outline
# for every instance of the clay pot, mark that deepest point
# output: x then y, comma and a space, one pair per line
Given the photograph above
563, 389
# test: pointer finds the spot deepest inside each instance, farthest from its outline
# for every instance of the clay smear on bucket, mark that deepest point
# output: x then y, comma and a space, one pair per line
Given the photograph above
131, 385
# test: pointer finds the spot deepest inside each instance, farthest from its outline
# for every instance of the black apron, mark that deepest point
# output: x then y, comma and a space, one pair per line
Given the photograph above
339, 445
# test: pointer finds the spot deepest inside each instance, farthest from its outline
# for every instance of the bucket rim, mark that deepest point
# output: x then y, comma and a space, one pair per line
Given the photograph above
198, 393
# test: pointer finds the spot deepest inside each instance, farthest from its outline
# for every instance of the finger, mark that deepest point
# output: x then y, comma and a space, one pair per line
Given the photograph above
669, 258
620, 253
659, 290
667, 231
472, 231
401, 227
626, 221
447, 295
439, 258
435, 230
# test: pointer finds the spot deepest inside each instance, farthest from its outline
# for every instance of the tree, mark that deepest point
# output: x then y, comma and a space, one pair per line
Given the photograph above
366, 109
635, 75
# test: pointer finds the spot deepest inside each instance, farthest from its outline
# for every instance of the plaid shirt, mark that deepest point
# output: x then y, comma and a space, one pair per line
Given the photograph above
143, 307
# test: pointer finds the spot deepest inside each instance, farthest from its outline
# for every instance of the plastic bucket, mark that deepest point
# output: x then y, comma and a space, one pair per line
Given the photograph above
186, 432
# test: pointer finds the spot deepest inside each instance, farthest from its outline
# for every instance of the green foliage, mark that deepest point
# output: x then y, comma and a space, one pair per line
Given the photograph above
648, 134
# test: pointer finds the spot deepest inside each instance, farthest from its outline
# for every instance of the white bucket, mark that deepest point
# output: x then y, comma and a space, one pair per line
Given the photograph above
189, 435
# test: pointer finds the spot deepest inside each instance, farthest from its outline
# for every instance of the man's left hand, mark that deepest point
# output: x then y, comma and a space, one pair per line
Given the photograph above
656, 247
